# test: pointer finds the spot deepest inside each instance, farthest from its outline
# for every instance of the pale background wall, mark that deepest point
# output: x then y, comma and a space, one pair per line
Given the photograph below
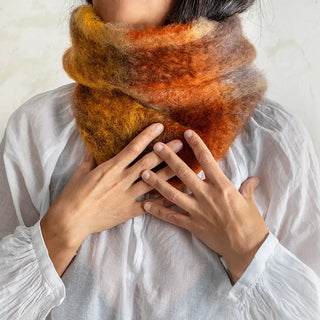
34, 35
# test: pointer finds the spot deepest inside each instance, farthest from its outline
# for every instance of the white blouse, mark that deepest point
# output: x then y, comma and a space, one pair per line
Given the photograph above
147, 268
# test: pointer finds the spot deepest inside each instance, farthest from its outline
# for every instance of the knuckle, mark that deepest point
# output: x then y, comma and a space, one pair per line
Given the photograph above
172, 217
146, 162
182, 171
173, 197
224, 191
195, 208
133, 148
204, 159
168, 173
105, 167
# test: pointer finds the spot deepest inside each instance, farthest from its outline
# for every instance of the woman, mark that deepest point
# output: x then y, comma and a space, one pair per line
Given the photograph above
77, 239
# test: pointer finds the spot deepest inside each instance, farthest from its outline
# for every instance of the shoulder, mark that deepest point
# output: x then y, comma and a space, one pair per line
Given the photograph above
273, 131
280, 133
274, 140
49, 109
275, 121
36, 134
40, 129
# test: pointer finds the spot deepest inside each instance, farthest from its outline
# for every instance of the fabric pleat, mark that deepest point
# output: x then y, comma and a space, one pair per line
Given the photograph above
27, 269
277, 290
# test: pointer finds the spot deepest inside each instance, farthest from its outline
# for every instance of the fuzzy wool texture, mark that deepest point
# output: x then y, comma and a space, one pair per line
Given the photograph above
199, 75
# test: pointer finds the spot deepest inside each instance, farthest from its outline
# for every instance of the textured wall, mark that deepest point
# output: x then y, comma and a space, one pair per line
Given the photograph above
34, 35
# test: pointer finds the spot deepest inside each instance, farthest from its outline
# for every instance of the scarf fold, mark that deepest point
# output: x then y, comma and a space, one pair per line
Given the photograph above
199, 75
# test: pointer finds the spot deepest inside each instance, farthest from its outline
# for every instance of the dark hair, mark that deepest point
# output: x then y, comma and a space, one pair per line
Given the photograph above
186, 10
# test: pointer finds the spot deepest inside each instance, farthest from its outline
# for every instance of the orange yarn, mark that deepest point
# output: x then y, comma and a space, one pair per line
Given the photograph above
197, 75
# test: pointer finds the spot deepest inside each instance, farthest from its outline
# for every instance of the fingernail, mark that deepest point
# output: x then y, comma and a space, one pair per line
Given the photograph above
188, 134
147, 206
146, 175
158, 147
158, 128
177, 146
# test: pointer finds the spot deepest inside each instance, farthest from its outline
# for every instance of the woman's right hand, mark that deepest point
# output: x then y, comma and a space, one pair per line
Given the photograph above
100, 197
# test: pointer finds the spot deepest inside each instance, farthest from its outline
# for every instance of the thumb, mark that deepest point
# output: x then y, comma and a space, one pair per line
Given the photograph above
248, 188
88, 162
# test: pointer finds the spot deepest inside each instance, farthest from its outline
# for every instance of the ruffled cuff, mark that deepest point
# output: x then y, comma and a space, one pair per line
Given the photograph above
30, 285
276, 285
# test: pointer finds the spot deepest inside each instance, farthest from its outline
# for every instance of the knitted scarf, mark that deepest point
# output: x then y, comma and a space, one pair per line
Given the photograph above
198, 75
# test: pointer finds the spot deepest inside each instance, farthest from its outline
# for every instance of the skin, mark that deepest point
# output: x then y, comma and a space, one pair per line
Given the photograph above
100, 197
137, 13
223, 218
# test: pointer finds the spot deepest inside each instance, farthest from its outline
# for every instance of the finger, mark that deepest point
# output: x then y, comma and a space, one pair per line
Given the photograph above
88, 162
141, 187
248, 188
162, 201
138, 206
177, 218
149, 161
205, 158
138, 144
167, 190
179, 167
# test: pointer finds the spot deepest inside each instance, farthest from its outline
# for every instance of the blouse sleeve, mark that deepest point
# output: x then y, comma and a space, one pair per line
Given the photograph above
276, 285
283, 279
29, 284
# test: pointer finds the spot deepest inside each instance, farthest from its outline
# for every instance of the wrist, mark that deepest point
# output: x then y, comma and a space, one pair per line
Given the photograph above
237, 265
61, 231
60, 251
239, 258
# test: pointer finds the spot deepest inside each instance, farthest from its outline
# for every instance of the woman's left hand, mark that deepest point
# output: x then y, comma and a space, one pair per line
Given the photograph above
223, 218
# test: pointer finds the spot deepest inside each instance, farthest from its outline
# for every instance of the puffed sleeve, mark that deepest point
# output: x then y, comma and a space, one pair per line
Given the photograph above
29, 284
283, 279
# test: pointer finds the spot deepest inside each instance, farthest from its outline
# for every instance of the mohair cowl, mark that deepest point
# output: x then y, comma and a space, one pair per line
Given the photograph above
197, 75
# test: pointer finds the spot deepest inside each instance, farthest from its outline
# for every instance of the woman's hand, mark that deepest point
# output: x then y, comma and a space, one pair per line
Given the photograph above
100, 197
223, 218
